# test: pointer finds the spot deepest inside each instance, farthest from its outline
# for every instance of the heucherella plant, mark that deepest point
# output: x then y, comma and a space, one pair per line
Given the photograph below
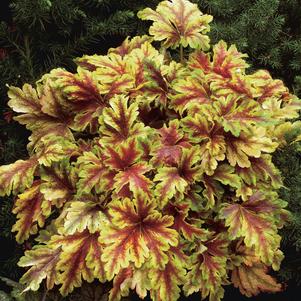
153, 173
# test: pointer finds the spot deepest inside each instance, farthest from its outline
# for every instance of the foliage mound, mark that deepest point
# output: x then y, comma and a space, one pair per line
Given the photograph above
151, 172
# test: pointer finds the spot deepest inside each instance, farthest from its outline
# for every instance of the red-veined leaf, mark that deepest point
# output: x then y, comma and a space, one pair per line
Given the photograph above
165, 282
178, 22
18, 176
129, 170
189, 91
80, 259
208, 271
181, 221
253, 222
130, 278
93, 174
227, 62
119, 122
84, 214
201, 129
107, 67
237, 114
175, 180
138, 232
167, 149
130, 44
43, 264
58, 183
251, 144
32, 210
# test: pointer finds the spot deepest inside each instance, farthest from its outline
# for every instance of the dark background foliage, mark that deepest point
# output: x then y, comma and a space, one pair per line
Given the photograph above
38, 35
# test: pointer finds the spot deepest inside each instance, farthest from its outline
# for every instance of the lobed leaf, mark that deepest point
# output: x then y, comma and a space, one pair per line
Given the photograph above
178, 22
58, 183
119, 123
166, 283
167, 149
80, 259
130, 44
18, 176
82, 215
93, 174
208, 271
25, 100
136, 279
189, 91
250, 220
43, 262
138, 232
252, 280
32, 210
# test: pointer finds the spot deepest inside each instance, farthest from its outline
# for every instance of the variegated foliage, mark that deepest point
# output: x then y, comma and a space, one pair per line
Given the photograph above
152, 173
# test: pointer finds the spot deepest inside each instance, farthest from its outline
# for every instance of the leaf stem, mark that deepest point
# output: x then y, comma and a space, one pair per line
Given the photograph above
181, 54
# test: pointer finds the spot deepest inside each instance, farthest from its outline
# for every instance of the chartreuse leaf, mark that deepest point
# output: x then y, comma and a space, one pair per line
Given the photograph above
53, 102
25, 100
119, 122
130, 44
222, 68
52, 149
238, 85
173, 71
211, 137
80, 259
264, 169
42, 262
138, 60
167, 148
237, 114
44, 111
250, 144
84, 214
32, 210
227, 61
84, 94
108, 67
130, 278
58, 182
208, 271
267, 88
138, 232
175, 180
121, 284
165, 282
18, 176
130, 171
285, 108
153, 173
93, 173
64, 260
121, 85
224, 174
253, 222
170, 183
190, 91
178, 22
77, 87
156, 86
181, 222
